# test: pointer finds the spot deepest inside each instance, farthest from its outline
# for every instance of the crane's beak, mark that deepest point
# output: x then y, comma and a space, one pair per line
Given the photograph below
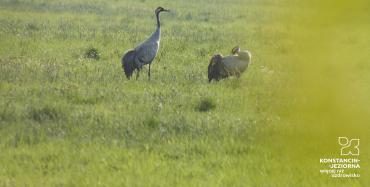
166, 10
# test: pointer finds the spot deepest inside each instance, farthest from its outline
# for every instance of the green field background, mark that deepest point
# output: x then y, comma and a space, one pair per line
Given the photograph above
67, 120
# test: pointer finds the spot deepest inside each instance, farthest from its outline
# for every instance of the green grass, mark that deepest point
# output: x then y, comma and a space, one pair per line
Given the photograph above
68, 120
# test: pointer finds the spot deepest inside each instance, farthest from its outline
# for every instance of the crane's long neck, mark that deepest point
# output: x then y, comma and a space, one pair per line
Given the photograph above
158, 21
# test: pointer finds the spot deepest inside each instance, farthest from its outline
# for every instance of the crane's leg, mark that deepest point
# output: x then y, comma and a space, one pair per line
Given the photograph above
238, 74
149, 72
137, 74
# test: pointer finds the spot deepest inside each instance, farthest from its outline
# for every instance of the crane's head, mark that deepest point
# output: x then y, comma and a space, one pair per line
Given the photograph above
160, 9
235, 50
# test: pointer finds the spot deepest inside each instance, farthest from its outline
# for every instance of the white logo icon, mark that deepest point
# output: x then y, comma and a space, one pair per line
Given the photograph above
349, 147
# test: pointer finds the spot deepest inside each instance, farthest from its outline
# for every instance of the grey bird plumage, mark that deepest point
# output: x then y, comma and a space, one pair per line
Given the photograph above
145, 52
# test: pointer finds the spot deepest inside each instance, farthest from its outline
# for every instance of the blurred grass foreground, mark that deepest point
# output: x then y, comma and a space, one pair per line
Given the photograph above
69, 117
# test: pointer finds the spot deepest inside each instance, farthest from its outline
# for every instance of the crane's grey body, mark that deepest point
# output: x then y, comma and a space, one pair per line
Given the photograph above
147, 51
144, 53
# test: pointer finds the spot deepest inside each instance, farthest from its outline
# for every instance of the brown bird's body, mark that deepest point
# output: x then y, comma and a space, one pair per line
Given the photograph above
233, 65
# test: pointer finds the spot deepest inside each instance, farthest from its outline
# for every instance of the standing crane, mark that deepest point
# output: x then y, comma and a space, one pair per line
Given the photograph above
145, 52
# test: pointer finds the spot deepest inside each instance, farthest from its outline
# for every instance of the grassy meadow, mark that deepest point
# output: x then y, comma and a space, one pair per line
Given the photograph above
70, 120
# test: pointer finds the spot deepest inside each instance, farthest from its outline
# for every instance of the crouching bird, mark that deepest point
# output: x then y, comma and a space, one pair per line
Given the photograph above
221, 67
145, 52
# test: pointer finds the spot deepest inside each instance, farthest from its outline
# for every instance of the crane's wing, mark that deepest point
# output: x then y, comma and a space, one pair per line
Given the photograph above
146, 52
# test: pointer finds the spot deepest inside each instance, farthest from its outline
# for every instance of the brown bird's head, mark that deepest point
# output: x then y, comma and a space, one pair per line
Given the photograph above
235, 50
216, 69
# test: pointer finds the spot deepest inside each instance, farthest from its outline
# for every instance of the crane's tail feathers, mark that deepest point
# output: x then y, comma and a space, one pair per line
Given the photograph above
128, 63
215, 68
